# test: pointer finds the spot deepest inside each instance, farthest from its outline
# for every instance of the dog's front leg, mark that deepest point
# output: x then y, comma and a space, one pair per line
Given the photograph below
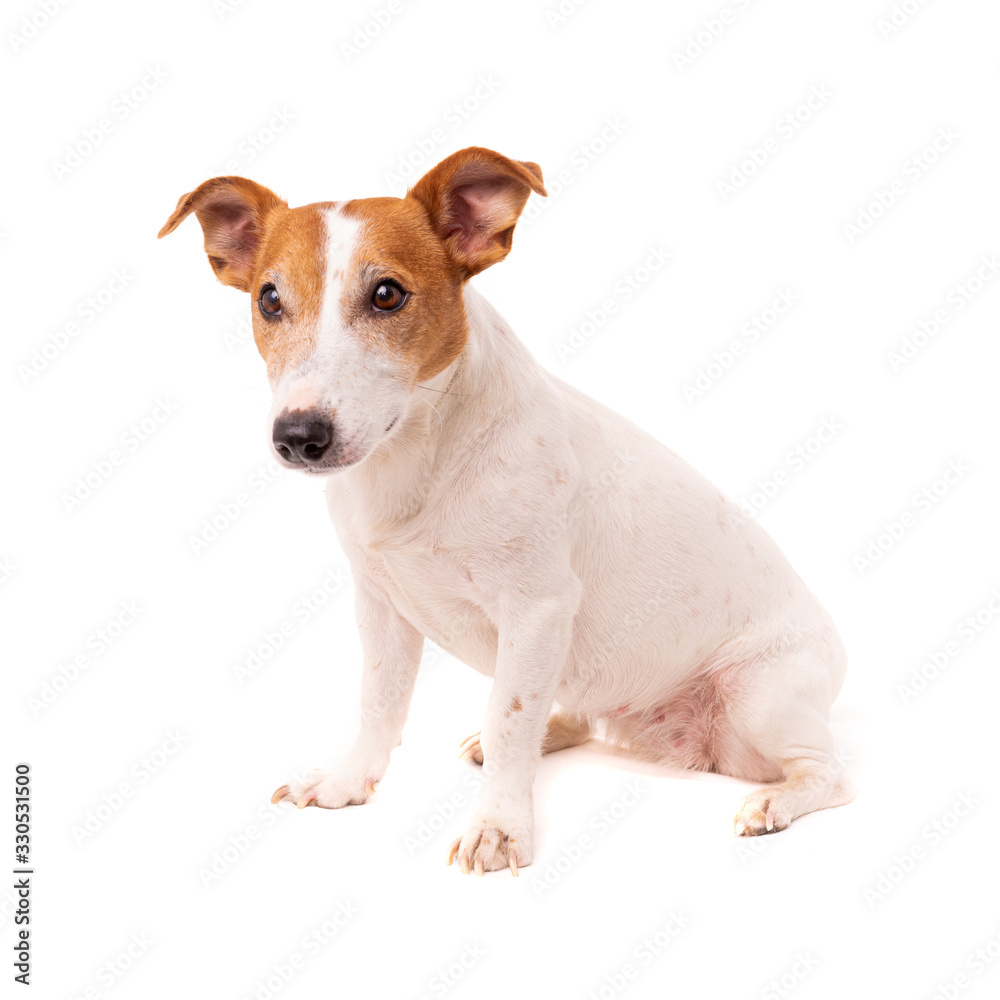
391, 650
533, 642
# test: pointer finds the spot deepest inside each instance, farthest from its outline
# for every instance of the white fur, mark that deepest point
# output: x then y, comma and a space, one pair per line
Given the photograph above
551, 544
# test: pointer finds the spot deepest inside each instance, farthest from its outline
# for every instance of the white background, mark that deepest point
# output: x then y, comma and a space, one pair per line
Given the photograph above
889, 897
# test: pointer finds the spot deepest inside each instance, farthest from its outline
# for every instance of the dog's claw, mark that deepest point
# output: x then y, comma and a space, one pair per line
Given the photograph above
468, 746
463, 861
479, 866
512, 861
769, 821
370, 787
309, 799
453, 850
279, 794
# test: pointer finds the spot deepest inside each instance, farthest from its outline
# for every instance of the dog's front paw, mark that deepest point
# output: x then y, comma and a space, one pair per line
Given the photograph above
329, 789
488, 846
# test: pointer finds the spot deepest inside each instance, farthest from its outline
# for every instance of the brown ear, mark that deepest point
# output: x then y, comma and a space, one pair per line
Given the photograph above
232, 212
473, 199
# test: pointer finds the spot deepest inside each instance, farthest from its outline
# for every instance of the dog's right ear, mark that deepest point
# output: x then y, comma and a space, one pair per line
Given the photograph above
233, 212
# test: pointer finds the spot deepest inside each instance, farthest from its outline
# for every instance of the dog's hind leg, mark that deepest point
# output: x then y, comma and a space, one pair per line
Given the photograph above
780, 719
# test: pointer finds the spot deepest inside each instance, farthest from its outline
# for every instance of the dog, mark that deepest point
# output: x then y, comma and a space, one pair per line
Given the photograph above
605, 586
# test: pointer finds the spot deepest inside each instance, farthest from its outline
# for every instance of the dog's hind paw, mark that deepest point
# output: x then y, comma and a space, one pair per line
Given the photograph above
471, 750
762, 812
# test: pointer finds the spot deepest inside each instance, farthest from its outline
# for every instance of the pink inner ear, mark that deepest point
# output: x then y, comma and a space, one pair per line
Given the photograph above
481, 210
233, 229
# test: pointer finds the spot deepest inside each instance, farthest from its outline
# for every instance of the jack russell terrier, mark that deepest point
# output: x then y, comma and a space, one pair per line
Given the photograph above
531, 532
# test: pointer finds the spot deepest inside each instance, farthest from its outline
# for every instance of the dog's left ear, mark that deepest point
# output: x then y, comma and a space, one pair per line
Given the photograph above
473, 199
232, 212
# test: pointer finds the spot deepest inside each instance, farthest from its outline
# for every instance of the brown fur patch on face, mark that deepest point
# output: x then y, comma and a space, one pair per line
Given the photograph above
397, 242
293, 259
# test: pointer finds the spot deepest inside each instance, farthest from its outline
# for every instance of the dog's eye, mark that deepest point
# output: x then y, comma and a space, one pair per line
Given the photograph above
269, 302
388, 296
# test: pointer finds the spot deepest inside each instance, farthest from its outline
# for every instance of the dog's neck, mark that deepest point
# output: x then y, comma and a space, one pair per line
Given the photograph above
452, 418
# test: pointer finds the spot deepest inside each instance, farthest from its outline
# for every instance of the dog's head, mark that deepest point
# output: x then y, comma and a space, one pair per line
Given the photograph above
356, 303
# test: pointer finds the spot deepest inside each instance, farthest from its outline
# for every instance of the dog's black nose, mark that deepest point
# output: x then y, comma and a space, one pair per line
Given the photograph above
302, 436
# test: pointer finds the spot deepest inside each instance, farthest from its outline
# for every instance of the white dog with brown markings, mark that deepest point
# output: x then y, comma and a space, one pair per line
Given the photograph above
538, 536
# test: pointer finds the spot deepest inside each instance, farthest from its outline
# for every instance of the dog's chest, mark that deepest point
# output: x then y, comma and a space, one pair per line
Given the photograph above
434, 588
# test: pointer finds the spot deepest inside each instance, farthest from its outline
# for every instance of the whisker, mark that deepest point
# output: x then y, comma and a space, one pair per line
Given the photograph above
444, 392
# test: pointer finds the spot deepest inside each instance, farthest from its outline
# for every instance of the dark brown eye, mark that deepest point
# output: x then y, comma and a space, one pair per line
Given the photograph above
269, 302
388, 296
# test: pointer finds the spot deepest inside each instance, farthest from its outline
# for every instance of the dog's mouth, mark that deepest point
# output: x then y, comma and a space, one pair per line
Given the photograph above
328, 466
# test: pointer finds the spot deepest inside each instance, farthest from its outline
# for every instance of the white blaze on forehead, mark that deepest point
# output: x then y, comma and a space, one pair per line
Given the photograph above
342, 237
